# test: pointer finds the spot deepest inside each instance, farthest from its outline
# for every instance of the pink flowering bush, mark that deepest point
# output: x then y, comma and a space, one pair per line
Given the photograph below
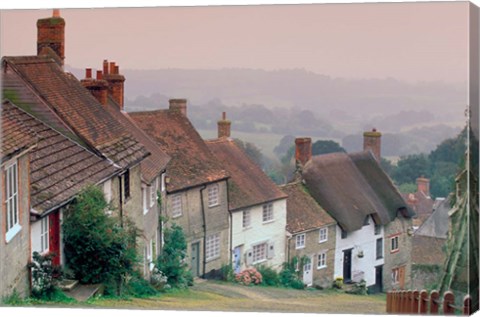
249, 276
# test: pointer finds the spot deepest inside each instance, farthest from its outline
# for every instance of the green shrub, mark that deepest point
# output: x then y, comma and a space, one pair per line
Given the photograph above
139, 287
359, 288
98, 248
172, 260
45, 276
13, 299
289, 276
226, 273
269, 276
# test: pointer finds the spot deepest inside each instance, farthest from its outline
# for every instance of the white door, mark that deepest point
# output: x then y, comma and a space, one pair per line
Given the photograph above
308, 272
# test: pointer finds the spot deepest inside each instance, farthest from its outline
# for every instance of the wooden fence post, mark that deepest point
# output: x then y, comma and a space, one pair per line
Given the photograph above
408, 304
389, 294
448, 303
395, 302
423, 302
467, 304
415, 301
434, 302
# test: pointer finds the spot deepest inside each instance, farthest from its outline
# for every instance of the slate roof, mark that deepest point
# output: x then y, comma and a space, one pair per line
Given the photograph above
191, 163
74, 108
154, 164
352, 186
303, 212
248, 185
15, 136
436, 225
59, 167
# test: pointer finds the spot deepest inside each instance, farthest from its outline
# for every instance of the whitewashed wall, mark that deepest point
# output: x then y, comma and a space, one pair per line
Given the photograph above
36, 228
260, 232
365, 240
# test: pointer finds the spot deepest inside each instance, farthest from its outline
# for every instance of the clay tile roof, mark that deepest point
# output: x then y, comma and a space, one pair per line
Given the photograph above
16, 137
303, 212
352, 186
77, 108
191, 163
248, 184
154, 164
59, 167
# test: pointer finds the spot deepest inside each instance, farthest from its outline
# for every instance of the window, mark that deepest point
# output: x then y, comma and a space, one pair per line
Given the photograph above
259, 252
323, 235
267, 213
379, 248
144, 199
213, 195
44, 235
176, 205
300, 241
344, 234
322, 260
246, 219
11, 201
378, 229
212, 248
394, 244
126, 184
366, 221
395, 275
153, 192
151, 265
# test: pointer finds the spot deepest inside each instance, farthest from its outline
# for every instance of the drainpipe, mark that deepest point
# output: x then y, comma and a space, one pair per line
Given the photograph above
230, 226
204, 230
120, 206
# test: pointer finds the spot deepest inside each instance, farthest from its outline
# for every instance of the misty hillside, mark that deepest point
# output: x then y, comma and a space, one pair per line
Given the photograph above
299, 102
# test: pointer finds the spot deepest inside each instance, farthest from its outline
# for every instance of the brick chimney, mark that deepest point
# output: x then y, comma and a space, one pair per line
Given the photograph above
51, 35
98, 87
372, 142
224, 126
303, 150
423, 185
179, 105
115, 82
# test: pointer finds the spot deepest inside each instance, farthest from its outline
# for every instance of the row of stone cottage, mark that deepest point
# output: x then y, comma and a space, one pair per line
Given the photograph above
60, 134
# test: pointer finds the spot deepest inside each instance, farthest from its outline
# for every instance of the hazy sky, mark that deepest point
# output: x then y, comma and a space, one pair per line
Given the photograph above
407, 41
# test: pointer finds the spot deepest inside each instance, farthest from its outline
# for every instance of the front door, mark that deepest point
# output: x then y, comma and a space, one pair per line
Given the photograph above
237, 258
401, 277
195, 256
54, 236
308, 272
379, 278
347, 265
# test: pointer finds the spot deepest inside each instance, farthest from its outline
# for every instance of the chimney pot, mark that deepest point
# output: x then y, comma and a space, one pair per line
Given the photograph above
303, 150
99, 75
112, 68
223, 126
117, 70
423, 185
88, 73
56, 13
179, 105
105, 67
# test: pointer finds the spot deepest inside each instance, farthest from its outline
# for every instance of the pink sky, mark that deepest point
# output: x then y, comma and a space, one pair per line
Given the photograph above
407, 41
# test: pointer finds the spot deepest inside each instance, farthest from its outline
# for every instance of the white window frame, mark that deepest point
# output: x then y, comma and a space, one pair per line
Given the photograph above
44, 235
267, 213
144, 199
212, 247
259, 253
151, 265
300, 241
323, 237
11, 201
213, 195
396, 275
176, 205
246, 219
394, 244
322, 260
153, 193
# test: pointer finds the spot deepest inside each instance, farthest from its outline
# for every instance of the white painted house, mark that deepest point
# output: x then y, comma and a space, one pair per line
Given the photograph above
258, 207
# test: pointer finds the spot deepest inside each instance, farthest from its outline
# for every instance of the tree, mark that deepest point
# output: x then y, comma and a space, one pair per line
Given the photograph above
252, 151
284, 145
411, 167
172, 260
98, 249
325, 147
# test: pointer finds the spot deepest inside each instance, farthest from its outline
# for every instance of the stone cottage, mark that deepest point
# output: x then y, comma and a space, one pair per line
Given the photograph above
196, 186
257, 206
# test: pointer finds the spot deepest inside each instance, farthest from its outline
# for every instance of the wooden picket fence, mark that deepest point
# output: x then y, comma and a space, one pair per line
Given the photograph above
415, 302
